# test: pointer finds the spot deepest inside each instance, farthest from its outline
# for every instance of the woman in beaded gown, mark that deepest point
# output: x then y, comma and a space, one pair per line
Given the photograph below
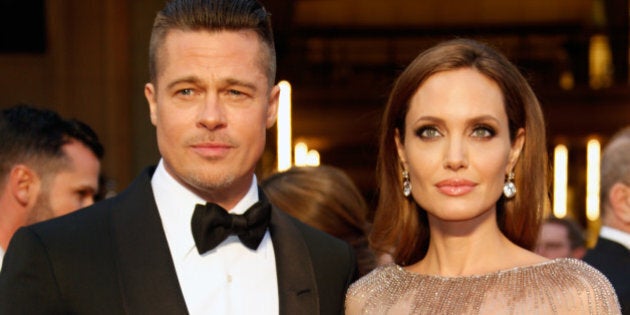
462, 171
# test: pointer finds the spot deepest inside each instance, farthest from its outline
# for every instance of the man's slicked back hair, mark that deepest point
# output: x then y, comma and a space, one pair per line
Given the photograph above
213, 16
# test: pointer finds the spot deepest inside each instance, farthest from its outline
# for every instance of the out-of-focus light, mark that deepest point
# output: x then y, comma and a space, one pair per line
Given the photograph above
592, 179
560, 179
567, 82
304, 156
301, 151
312, 158
600, 62
284, 126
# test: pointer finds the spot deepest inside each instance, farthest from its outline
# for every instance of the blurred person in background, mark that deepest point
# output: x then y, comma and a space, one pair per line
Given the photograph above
611, 254
326, 198
49, 166
561, 238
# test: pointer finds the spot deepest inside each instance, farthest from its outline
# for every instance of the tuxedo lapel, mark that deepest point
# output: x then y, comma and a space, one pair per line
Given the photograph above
146, 272
297, 286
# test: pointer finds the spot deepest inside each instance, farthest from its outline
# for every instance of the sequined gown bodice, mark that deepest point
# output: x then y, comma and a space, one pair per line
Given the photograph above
561, 286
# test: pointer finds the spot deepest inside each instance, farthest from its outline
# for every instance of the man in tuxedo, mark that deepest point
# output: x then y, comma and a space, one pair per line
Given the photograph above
166, 245
611, 254
49, 166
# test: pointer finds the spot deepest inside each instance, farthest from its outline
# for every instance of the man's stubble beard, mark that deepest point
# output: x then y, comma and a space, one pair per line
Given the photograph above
42, 210
207, 184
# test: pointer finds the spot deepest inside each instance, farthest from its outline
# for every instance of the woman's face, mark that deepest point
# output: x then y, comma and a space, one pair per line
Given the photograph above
457, 146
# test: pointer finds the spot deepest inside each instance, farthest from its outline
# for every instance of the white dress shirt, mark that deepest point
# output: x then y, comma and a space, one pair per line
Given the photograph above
230, 279
615, 235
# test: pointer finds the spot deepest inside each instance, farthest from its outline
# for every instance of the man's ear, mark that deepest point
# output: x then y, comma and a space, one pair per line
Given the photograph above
274, 103
150, 94
619, 199
24, 184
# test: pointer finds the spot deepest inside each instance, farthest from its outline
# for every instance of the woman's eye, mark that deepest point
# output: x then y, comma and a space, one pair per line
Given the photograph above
428, 132
483, 132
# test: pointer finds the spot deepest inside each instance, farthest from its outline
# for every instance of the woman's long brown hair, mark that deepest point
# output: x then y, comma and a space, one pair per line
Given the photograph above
400, 225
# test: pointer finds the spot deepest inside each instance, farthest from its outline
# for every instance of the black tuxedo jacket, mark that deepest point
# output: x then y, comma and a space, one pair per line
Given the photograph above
613, 260
113, 258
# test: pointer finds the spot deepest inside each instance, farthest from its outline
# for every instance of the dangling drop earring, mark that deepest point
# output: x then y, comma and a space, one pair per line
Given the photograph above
406, 183
509, 189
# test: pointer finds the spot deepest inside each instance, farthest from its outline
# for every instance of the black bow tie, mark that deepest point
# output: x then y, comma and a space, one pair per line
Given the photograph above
211, 225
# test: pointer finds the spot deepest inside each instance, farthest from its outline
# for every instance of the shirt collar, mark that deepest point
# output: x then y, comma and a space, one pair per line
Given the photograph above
176, 205
615, 235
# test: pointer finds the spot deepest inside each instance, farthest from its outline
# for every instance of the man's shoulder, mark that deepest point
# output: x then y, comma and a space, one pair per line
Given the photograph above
97, 216
608, 256
309, 233
606, 246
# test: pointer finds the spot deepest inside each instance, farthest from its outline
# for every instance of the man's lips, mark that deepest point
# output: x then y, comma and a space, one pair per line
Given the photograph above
455, 187
211, 149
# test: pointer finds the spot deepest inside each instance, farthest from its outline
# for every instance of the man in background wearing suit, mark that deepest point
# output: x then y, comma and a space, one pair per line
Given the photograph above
165, 245
611, 254
49, 166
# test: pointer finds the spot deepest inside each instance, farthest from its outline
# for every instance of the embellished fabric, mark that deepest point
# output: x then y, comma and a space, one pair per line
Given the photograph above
560, 286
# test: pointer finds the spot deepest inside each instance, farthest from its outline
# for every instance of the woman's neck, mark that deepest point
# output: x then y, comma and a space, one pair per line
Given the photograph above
472, 247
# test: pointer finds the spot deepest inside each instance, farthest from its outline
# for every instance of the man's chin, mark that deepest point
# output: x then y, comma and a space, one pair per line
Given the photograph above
209, 182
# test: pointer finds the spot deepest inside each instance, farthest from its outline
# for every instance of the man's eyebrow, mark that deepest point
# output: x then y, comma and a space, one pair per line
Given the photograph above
232, 81
189, 79
86, 188
197, 81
